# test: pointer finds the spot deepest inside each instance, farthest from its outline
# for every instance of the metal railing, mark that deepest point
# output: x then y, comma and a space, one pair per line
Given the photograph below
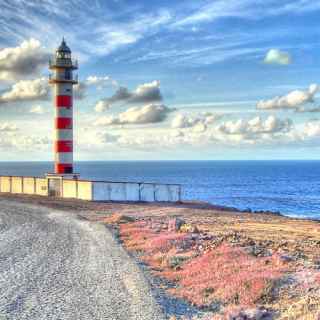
59, 62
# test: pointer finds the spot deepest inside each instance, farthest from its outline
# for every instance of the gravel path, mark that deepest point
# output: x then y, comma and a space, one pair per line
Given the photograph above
56, 266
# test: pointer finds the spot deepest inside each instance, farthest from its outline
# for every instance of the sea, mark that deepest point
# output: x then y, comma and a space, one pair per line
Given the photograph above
289, 187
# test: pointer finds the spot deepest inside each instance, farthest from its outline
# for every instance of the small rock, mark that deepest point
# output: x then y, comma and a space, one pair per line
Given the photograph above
287, 258
252, 314
187, 227
175, 224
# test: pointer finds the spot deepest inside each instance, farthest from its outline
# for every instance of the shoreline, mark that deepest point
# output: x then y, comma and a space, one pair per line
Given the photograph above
201, 205
224, 208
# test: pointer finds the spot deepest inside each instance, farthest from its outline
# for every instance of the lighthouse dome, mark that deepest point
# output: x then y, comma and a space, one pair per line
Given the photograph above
63, 47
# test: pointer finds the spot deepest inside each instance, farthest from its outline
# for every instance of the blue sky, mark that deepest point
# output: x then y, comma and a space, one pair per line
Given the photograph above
219, 79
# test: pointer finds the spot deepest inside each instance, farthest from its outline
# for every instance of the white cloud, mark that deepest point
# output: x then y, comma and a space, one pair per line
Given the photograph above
101, 82
150, 113
8, 127
147, 92
106, 26
110, 37
200, 121
144, 93
275, 56
22, 61
181, 121
30, 142
255, 126
39, 89
37, 109
199, 127
245, 9
292, 100
255, 132
101, 106
24, 90
214, 10
80, 90
311, 110
312, 129
106, 137
16, 142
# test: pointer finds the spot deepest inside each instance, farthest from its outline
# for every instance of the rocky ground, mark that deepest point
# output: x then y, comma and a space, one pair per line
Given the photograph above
214, 263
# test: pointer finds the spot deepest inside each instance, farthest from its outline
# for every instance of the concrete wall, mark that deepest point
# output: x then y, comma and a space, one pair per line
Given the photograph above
162, 193
148, 192
175, 193
5, 184
16, 184
41, 186
69, 189
118, 191
29, 185
100, 191
132, 192
94, 190
85, 190
115, 191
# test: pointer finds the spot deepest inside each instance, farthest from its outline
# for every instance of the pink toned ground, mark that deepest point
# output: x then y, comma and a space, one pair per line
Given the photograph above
237, 261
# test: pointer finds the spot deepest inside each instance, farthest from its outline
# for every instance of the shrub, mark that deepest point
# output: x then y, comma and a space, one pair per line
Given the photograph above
232, 275
175, 262
165, 241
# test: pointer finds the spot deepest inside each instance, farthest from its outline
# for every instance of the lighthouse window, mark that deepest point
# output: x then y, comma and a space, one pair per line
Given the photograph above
68, 74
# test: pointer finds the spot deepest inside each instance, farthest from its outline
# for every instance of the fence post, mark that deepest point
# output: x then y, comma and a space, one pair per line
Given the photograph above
77, 189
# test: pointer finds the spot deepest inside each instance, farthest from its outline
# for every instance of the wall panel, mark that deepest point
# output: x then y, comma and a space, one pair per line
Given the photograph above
16, 185
5, 184
147, 192
132, 192
41, 187
29, 185
85, 190
118, 191
101, 191
69, 189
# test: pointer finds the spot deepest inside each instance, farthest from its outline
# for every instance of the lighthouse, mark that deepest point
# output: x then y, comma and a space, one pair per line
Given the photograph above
62, 80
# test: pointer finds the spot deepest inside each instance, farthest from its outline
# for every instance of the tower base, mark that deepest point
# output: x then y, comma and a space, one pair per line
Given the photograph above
55, 182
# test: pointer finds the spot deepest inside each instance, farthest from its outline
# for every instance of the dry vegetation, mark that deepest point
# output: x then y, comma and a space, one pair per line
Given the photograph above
233, 265
237, 265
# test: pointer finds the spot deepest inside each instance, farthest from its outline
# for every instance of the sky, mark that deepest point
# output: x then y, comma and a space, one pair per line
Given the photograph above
165, 80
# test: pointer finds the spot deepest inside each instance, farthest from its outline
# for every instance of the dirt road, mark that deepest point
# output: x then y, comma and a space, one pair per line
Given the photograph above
54, 265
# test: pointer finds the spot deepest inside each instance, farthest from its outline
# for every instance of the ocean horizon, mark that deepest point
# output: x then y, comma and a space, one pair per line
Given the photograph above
291, 187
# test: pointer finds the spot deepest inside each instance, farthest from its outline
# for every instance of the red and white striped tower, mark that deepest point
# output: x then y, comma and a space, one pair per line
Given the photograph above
62, 79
